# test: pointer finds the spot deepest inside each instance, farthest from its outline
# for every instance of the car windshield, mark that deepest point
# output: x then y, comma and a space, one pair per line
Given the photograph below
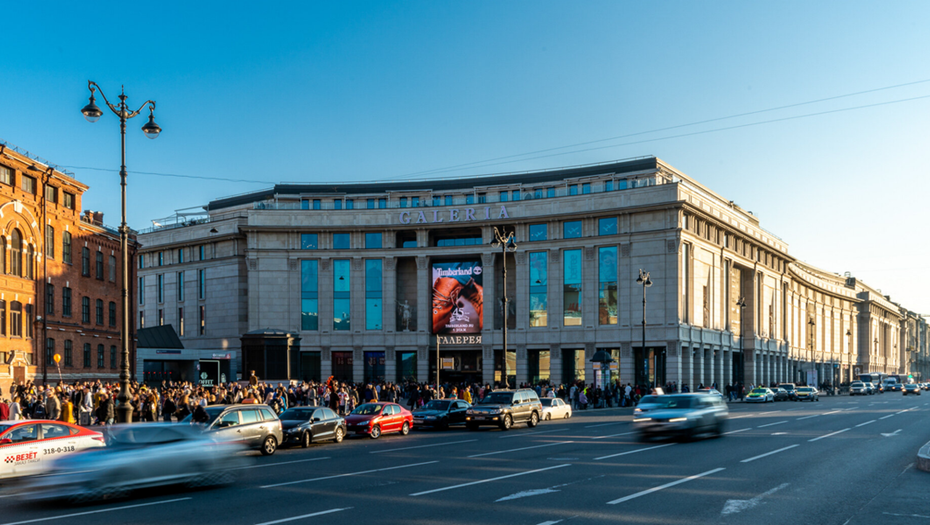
297, 414
212, 414
497, 398
856, 383
787, 387
805, 389
649, 400
437, 405
677, 402
367, 409
546, 402
759, 391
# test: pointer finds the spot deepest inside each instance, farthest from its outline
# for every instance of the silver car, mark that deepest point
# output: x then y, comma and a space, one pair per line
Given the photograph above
647, 403
858, 388
684, 416
139, 456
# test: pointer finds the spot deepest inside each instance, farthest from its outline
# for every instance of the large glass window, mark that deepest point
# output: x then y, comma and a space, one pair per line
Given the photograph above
141, 290
374, 367
66, 302
85, 261
342, 303
539, 232
85, 309
572, 365
504, 196
340, 241
350, 204
16, 253
202, 284
69, 353
180, 286
49, 299
16, 319
50, 242
607, 226
406, 367
571, 229
309, 295
308, 241
372, 241
607, 285
571, 294
538, 364
539, 296
373, 302
685, 283
100, 265
586, 188
86, 355
160, 284
98, 311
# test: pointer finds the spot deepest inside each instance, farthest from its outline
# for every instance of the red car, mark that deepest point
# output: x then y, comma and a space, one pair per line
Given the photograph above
375, 419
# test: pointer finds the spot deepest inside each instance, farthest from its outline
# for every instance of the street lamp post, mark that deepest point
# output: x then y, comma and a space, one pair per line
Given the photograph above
151, 130
644, 280
507, 244
46, 176
742, 357
811, 324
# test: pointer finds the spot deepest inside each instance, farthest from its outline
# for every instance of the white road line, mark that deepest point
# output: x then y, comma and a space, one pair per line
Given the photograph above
604, 424
551, 522
285, 520
280, 463
661, 487
792, 409
772, 424
634, 451
834, 412
905, 410
808, 417
736, 431
345, 475
50, 518
886, 417
615, 435
768, 454
489, 480
521, 448
529, 434
828, 435
423, 446
864, 424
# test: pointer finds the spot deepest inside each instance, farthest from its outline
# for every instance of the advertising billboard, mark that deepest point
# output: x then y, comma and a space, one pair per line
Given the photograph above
458, 298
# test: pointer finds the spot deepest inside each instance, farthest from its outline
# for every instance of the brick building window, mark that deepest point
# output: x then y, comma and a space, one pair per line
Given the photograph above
66, 247
99, 311
2, 317
51, 194
85, 309
86, 355
6, 175
29, 184
112, 313
49, 299
112, 268
16, 253
85, 261
30, 259
112, 356
49, 351
50, 242
68, 200
101, 357
100, 265
30, 320
16, 319
69, 353
66, 302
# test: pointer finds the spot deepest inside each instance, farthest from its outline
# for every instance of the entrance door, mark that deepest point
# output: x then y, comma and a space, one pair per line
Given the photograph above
310, 366
19, 375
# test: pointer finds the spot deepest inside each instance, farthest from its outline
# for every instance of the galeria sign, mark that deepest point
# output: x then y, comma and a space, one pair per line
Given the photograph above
453, 215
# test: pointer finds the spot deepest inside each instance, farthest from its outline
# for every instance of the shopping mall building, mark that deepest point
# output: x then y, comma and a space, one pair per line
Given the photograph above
371, 281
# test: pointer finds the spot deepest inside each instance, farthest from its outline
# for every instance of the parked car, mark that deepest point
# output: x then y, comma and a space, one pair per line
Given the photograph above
255, 426
27, 446
376, 419
555, 408
791, 389
808, 393
684, 416
910, 388
780, 394
441, 413
504, 408
760, 395
140, 456
858, 388
306, 425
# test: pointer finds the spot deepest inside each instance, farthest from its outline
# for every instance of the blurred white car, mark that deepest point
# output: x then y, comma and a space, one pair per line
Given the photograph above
28, 446
555, 408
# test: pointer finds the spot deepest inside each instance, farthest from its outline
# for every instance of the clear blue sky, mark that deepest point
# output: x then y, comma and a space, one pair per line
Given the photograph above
316, 92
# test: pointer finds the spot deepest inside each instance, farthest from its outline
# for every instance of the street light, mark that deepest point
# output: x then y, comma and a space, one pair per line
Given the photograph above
742, 357
644, 280
811, 324
507, 244
151, 130
46, 176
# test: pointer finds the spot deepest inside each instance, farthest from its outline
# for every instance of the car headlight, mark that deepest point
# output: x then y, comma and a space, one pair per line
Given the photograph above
677, 419
639, 420
637, 411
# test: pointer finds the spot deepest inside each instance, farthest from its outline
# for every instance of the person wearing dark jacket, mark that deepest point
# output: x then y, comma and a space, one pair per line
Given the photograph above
106, 412
168, 409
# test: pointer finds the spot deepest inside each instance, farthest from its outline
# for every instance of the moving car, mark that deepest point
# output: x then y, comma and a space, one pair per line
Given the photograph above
504, 408
760, 395
780, 394
255, 426
910, 388
140, 456
305, 425
791, 389
555, 408
684, 416
870, 388
375, 419
890, 385
441, 413
858, 388
28, 446
647, 403
808, 393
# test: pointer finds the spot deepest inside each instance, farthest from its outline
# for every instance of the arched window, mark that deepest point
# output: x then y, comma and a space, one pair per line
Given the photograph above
16, 319
16, 253
30, 261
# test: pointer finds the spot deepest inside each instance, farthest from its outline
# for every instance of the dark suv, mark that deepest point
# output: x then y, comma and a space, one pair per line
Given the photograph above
503, 408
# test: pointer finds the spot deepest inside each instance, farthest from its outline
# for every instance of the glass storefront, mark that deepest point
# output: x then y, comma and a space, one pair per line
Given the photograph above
572, 366
607, 285
373, 302
539, 296
538, 365
342, 303
309, 297
342, 366
649, 366
571, 295
310, 366
511, 367
406, 367
374, 367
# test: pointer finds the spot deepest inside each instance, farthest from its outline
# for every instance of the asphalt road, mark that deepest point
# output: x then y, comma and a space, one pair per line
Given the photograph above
840, 461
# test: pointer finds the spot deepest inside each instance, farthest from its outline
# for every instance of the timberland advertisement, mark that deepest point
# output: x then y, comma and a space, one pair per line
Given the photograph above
458, 298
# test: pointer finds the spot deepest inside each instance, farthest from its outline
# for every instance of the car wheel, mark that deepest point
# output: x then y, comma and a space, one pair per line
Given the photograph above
567, 415
269, 446
534, 420
405, 429
340, 435
375, 432
507, 422
305, 439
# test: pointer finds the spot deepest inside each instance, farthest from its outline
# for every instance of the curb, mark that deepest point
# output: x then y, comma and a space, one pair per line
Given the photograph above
923, 458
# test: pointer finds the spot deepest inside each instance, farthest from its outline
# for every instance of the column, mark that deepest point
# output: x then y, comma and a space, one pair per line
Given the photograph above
708, 366
720, 370
389, 298
489, 273
522, 291
555, 365
698, 368
522, 372
357, 294
424, 303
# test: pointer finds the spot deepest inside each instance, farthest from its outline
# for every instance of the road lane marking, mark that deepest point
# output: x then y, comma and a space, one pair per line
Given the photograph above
886, 417
470, 483
423, 446
550, 522
732, 506
615, 435
521, 448
768, 454
834, 412
50, 518
285, 520
893, 434
736, 431
905, 410
808, 417
634, 451
827, 435
605, 424
525, 434
280, 463
345, 475
866, 423
772, 424
667, 485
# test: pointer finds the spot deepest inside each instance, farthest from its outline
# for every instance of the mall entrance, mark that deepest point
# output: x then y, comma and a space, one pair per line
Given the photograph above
459, 365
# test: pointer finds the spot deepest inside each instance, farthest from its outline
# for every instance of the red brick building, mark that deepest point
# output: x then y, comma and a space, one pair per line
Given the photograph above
59, 284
